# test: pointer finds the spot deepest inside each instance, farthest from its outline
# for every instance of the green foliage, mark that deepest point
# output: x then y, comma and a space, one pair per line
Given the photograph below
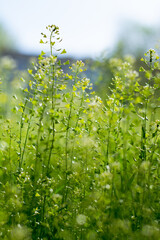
75, 167
134, 40
6, 41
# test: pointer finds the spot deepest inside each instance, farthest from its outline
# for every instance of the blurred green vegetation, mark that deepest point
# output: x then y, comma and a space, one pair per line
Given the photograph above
75, 167
134, 40
6, 40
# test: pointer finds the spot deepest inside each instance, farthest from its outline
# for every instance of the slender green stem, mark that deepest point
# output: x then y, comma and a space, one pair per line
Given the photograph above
20, 137
78, 116
67, 138
38, 136
53, 120
109, 132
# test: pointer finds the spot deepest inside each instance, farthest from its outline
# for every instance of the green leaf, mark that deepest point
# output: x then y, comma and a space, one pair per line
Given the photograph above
64, 51
37, 195
137, 84
41, 41
148, 74
52, 43
141, 69
66, 63
30, 71
67, 105
14, 96
154, 134
43, 53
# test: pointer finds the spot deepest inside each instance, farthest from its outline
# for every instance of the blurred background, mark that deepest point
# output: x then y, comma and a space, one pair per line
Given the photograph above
93, 30
88, 27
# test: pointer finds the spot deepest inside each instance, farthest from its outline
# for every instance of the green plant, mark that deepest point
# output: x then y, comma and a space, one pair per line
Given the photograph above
75, 167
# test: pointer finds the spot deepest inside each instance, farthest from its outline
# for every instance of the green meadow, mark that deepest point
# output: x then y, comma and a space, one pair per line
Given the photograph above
74, 166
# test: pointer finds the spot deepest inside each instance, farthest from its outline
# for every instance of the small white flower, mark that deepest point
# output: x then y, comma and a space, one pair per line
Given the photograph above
81, 219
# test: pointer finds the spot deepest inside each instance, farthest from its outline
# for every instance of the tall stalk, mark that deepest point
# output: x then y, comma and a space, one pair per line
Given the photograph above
67, 139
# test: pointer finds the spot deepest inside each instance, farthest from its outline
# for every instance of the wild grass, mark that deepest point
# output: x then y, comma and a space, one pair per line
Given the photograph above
75, 167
